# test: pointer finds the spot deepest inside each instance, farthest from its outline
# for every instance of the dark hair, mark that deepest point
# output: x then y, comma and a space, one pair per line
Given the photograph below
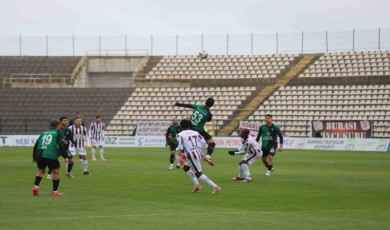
268, 115
63, 118
97, 117
210, 102
245, 133
185, 124
54, 123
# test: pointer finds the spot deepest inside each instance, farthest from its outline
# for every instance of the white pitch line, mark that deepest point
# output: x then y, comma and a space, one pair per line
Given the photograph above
186, 214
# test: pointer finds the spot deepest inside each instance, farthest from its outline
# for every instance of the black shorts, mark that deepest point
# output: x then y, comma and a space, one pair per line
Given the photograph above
42, 163
268, 151
205, 135
173, 146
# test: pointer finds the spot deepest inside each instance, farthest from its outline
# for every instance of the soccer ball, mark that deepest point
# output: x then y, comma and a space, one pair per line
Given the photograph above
203, 54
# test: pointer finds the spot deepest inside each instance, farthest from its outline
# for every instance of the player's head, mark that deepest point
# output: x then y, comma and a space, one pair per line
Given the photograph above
64, 121
77, 121
188, 117
175, 121
268, 119
245, 134
185, 124
209, 102
98, 118
55, 124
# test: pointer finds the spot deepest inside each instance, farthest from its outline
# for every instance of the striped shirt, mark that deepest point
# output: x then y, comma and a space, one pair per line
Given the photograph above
249, 146
96, 130
192, 143
80, 135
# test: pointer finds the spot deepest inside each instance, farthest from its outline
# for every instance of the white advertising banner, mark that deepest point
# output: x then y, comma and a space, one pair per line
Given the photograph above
253, 126
366, 144
152, 128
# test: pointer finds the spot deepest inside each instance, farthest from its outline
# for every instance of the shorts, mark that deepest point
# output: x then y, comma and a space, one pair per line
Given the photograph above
205, 135
173, 146
194, 164
80, 151
268, 151
42, 163
250, 158
97, 142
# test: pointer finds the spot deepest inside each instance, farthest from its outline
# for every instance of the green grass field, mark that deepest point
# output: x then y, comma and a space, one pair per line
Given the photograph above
134, 189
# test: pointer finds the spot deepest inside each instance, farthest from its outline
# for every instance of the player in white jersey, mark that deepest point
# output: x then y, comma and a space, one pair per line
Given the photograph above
252, 151
80, 135
96, 134
192, 144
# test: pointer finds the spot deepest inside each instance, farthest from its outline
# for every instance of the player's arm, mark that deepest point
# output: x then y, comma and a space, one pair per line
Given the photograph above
238, 151
91, 129
35, 150
86, 136
69, 137
210, 117
180, 146
202, 144
183, 105
279, 133
61, 146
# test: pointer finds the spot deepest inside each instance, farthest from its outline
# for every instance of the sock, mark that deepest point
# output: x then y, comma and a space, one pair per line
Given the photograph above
171, 158
192, 177
48, 172
37, 180
240, 172
245, 169
178, 159
56, 183
205, 179
269, 167
80, 157
69, 167
85, 165
93, 153
101, 153
210, 148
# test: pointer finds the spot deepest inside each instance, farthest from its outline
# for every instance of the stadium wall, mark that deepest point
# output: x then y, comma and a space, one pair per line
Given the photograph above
379, 145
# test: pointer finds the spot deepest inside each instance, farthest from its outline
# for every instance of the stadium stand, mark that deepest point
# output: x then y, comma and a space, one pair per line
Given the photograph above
221, 66
294, 88
36, 69
28, 111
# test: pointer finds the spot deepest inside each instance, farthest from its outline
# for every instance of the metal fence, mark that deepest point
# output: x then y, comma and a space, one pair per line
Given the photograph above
254, 44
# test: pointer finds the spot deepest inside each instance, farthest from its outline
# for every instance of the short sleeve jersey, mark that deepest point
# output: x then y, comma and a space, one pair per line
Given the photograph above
174, 131
67, 135
199, 117
269, 135
48, 143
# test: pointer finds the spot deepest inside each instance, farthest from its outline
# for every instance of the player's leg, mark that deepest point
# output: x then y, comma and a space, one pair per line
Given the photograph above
240, 176
197, 168
101, 151
41, 165
172, 148
264, 158
83, 154
93, 150
69, 166
270, 159
49, 172
248, 160
54, 165
191, 175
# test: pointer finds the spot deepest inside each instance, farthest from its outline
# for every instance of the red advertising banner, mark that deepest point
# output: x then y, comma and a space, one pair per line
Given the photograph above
341, 129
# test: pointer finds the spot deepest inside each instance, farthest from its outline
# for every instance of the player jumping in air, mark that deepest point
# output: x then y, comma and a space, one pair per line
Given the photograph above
199, 117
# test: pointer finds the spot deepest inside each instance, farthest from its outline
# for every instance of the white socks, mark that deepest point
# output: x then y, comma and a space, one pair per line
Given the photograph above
192, 177
240, 172
178, 159
101, 153
93, 153
205, 179
245, 169
85, 165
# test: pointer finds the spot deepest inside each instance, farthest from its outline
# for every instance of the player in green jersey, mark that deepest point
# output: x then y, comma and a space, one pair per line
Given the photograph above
269, 133
170, 136
48, 147
199, 117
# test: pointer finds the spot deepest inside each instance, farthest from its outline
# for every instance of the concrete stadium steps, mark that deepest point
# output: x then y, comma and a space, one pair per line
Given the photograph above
27, 111
249, 108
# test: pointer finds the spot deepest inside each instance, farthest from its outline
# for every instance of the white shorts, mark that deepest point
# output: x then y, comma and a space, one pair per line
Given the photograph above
80, 151
97, 142
195, 165
250, 159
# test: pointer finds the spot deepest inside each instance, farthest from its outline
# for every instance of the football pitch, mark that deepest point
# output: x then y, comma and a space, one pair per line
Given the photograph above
134, 189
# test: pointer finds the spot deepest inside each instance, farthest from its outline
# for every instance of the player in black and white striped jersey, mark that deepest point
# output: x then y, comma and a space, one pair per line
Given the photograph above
80, 136
96, 134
